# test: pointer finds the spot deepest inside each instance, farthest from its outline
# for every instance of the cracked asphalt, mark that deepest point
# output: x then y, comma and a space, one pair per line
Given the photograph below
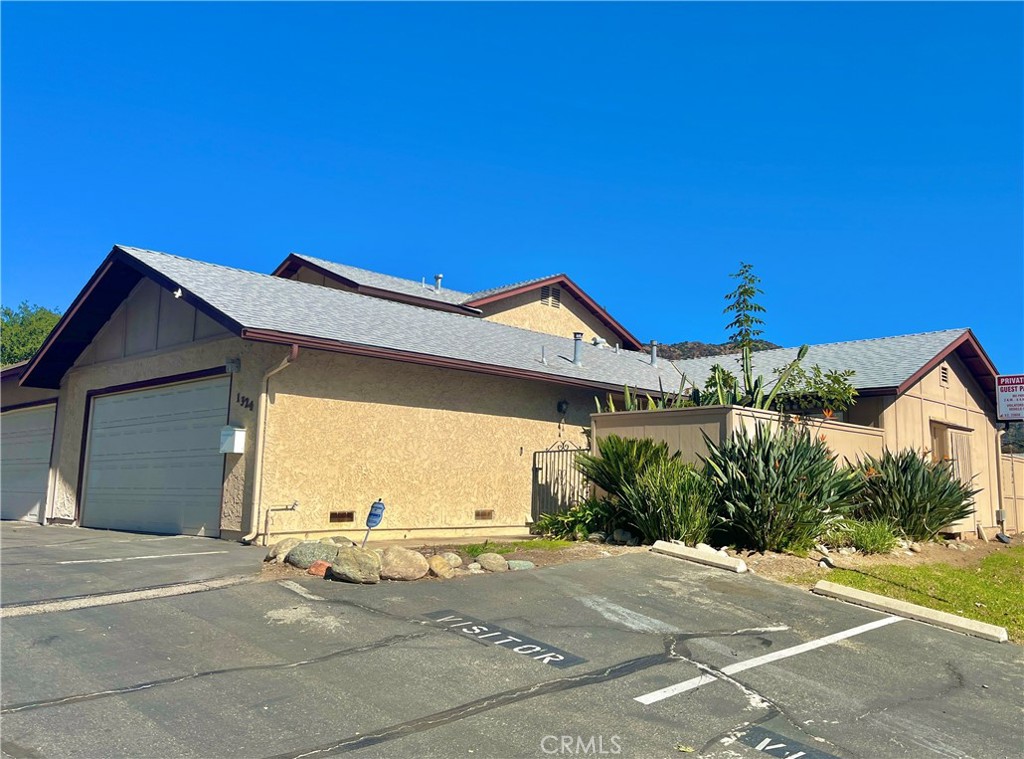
470, 667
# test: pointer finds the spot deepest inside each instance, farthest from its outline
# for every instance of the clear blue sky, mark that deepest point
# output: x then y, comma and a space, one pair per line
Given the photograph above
867, 158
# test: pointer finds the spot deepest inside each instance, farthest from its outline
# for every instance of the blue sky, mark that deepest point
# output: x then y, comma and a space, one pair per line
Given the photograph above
866, 158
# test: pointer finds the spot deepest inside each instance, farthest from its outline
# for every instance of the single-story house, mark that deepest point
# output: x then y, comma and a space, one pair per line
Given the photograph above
177, 396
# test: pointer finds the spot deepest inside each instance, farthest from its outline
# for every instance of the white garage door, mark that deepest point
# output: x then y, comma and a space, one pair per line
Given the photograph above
153, 459
26, 437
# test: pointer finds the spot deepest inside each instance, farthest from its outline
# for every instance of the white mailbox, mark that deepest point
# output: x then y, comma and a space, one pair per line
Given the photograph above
232, 439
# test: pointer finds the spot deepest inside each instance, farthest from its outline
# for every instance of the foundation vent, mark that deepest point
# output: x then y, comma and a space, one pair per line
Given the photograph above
483, 514
342, 516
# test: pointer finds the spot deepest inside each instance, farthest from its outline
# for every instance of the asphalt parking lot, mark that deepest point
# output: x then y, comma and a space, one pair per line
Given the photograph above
634, 656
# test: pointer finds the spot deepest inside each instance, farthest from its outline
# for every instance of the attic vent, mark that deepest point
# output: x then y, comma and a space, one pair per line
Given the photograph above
551, 296
342, 516
944, 374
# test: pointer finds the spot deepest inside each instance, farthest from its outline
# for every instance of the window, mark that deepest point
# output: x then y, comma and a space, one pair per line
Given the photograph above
551, 296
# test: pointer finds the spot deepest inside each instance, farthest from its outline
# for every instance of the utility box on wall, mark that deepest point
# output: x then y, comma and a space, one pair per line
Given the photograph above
232, 439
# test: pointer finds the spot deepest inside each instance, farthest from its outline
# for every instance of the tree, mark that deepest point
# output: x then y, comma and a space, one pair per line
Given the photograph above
24, 330
745, 323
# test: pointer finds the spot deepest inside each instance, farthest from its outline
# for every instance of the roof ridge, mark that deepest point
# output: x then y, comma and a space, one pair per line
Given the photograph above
321, 261
836, 342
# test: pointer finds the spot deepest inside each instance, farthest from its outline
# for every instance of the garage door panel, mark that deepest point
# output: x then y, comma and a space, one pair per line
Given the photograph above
154, 463
27, 438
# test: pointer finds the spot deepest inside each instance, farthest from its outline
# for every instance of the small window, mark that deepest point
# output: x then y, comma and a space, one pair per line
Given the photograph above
551, 296
944, 375
482, 514
342, 516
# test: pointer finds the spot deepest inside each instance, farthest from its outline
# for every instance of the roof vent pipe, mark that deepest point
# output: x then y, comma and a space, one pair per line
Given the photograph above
437, 282
577, 349
654, 352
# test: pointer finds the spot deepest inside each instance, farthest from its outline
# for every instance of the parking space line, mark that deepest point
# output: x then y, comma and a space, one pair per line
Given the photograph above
294, 587
785, 653
137, 558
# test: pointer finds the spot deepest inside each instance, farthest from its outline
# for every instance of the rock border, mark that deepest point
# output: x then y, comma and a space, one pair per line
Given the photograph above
708, 556
911, 611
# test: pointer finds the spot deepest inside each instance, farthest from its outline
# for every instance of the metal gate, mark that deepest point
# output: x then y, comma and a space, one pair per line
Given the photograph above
557, 483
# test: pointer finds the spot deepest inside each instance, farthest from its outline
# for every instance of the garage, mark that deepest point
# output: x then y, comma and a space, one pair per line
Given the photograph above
26, 437
153, 461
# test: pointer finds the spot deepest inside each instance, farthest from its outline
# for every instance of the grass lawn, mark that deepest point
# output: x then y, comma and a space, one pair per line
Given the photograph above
991, 591
537, 544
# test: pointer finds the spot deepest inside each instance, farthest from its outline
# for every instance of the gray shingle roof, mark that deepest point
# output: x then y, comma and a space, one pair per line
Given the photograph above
879, 362
387, 282
504, 288
261, 301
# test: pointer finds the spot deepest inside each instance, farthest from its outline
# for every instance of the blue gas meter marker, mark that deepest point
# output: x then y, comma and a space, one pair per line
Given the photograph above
373, 518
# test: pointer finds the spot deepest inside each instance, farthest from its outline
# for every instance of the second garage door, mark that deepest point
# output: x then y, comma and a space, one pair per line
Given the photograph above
153, 460
25, 439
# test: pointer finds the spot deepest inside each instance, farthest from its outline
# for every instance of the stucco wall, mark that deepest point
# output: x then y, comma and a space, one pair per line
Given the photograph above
906, 421
11, 394
199, 356
526, 310
435, 444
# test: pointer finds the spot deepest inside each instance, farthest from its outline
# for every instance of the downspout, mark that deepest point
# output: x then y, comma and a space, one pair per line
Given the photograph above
261, 426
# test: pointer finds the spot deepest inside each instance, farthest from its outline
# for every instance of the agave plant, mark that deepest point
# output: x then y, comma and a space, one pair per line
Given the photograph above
779, 489
920, 497
620, 461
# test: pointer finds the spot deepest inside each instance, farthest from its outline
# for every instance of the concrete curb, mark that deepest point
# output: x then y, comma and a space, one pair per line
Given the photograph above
710, 558
911, 611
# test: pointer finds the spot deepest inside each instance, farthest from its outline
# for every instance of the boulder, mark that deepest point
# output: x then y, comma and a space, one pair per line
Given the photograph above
355, 565
282, 547
439, 567
597, 537
318, 568
474, 568
341, 540
621, 536
517, 565
453, 559
402, 564
304, 554
492, 562
915, 547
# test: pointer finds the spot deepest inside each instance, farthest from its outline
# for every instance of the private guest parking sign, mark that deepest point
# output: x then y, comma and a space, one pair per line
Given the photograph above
1010, 397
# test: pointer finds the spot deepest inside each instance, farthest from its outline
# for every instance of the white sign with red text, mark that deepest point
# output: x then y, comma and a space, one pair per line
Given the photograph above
1010, 397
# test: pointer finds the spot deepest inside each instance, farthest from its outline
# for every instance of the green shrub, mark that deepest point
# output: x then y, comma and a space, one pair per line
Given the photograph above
669, 500
578, 522
876, 536
906, 489
838, 535
620, 462
778, 490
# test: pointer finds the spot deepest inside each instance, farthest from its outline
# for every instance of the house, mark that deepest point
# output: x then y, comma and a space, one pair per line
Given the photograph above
329, 395
932, 392
177, 396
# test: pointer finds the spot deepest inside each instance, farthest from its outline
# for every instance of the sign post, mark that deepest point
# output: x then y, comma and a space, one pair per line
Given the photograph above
373, 519
1010, 397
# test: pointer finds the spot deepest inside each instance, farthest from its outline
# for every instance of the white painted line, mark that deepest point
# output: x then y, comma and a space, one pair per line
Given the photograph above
785, 653
137, 558
109, 599
631, 619
296, 588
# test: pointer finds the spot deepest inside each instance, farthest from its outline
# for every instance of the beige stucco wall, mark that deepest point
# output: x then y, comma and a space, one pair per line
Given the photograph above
435, 444
11, 394
525, 310
1013, 491
682, 429
906, 421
